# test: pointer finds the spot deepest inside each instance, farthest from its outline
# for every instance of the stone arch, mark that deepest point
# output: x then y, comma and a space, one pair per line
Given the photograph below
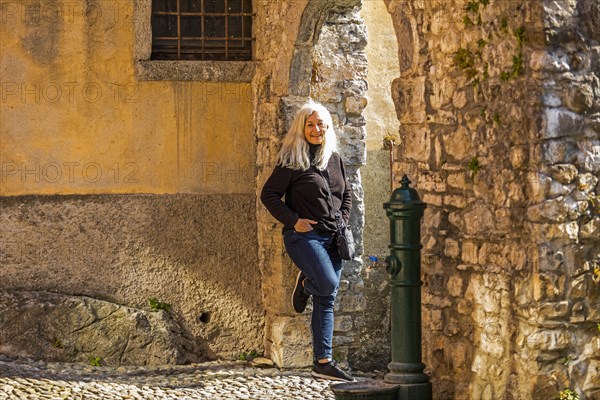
406, 32
313, 17
491, 233
287, 339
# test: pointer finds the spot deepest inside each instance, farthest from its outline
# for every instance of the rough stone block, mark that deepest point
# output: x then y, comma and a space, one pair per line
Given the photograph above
432, 319
549, 340
489, 252
409, 99
555, 210
268, 121
433, 199
586, 182
470, 252
538, 186
568, 230
455, 201
451, 248
352, 145
350, 302
266, 154
558, 151
451, 42
455, 284
441, 93
327, 91
64, 328
542, 60
435, 301
458, 144
517, 256
548, 286
551, 100
561, 122
589, 11
504, 219
592, 346
289, 341
355, 105
430, 181
342, 323
564, 173
558, 189
518, 156
458, 181
478, 220
464, 307
553, 311
416, 144
591, 230
579, 98
591, 384
550, 259
456, 220
459, 100
588, 156
581, 287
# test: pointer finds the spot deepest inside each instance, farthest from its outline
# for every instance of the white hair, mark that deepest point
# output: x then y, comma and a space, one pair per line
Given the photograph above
295, 153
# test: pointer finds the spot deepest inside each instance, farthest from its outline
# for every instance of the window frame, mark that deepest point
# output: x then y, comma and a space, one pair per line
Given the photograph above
195, 31
147, 69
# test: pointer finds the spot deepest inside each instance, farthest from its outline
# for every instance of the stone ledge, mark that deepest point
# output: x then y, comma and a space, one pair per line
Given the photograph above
200, 71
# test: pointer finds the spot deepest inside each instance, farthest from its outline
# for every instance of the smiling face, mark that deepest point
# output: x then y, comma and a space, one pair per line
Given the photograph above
314, 129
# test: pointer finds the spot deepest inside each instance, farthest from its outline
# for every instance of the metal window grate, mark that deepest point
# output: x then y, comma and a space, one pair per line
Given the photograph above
202, 30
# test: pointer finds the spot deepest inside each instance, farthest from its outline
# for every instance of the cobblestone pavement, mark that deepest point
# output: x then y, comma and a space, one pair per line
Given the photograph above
214, 381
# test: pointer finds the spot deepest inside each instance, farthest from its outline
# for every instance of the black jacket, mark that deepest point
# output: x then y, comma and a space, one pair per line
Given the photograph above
306, 195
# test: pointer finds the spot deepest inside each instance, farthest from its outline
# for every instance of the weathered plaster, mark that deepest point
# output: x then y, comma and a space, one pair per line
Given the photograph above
191, 251
78, 127
76, 119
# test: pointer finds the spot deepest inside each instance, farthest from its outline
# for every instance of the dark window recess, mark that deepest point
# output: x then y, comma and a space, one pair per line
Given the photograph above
202, 30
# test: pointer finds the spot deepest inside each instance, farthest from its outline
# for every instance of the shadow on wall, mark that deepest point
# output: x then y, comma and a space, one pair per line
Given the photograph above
195, 252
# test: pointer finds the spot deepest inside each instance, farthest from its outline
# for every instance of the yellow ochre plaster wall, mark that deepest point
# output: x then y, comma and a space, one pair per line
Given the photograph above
75, 120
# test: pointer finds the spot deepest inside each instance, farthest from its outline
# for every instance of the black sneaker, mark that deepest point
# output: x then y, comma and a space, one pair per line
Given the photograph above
299, 298
330, 371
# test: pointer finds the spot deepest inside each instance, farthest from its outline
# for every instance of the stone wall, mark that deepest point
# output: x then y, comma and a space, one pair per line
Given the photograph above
499, 137
287, 337
339, 75
498, 103
560, 314
128, 249
84, 122
328, 65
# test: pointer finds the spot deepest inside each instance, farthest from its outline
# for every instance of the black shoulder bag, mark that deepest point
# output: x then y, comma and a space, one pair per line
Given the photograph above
343, 236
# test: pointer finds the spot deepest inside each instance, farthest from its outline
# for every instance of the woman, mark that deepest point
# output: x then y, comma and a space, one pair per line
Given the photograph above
307, 168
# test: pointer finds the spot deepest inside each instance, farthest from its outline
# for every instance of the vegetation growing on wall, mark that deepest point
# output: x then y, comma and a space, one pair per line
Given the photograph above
474, 60
478, 59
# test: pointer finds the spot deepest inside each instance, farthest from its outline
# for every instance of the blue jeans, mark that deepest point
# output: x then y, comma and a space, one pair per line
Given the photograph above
317, 257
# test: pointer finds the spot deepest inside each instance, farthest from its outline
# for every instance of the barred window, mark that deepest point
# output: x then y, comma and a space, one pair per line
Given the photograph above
219, 30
